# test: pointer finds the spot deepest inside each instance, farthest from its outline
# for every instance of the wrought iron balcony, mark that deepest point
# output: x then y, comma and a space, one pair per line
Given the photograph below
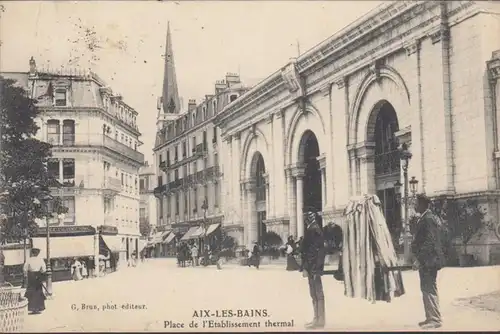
387, 163
160, 190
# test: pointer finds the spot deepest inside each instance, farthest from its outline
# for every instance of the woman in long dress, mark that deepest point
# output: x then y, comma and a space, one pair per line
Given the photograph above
34, 270
76, 268
291, 262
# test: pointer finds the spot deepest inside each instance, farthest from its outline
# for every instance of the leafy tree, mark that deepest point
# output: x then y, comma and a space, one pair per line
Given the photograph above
24, 179
462, 218
271, 239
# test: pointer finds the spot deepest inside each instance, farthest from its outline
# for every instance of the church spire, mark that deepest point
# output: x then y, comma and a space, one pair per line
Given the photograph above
170, 95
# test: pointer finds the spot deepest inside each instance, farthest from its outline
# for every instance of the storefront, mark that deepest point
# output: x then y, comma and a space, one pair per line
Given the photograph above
157, 242
66, 243
168, 245
112, 249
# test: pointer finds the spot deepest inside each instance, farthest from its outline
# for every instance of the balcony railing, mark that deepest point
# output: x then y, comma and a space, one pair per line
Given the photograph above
160, 190
64, 140
98, 140
387, 163
113, 184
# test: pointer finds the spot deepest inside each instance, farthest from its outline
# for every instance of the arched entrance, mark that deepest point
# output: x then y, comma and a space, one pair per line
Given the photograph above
387, 164
259, 173
309, 153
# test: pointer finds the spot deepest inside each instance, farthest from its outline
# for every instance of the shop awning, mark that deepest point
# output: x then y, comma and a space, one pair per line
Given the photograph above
70, 246
212, 228
169, 239
157, 238
198, 233
14, 257
114, 243
188, 234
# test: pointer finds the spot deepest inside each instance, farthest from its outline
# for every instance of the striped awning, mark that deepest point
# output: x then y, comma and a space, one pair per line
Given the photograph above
169, 239
198, 233
212, 228
188, 234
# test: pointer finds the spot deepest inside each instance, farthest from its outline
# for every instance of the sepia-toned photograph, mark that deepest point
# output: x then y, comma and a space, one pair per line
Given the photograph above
249, 166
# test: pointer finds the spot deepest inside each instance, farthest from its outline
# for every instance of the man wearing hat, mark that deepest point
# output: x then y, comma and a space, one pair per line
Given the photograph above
429, 259
313, 261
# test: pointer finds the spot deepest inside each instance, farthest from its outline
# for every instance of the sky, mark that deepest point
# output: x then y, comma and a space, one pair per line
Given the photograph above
123, 42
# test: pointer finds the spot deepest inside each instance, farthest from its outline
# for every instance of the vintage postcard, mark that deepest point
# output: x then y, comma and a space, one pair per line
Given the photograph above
249, 166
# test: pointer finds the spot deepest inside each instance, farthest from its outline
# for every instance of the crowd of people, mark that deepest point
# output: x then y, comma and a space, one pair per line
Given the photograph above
189, 254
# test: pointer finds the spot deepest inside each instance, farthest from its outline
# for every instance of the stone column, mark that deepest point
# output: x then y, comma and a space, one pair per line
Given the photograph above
291, 203
251, 211
243, 212
324, 188
365, 154
268, 196
298, 173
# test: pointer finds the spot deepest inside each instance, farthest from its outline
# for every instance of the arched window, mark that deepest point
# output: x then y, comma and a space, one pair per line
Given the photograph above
204, 113
260, 181
215, 106
233, 97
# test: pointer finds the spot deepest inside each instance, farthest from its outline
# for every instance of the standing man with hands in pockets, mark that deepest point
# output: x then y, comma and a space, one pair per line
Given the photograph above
428, 251
313, 261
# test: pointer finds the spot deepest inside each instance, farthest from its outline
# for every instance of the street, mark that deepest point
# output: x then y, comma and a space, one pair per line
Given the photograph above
159, 296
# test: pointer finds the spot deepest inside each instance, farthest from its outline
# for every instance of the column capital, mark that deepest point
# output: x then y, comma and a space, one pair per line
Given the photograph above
322, 161
298, 171
236, 136
494, 66
412, 46
361, 150
248, 184
266, 178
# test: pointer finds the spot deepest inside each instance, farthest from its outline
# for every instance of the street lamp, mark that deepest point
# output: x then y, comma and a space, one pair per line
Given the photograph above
405, 156
46, 201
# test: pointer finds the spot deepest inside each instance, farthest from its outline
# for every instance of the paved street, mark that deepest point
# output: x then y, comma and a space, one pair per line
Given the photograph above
173, 294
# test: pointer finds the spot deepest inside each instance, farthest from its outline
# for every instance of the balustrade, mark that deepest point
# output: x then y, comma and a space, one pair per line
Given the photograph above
387, 163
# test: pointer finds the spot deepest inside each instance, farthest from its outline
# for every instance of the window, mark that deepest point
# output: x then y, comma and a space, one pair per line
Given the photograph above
204, 139
168, 158
176, 174
205, 192
69, 202
233, 98
215, 106
216, 159
195, 169
160, 201
123, 181
68, 132
142, 213
176, 153
53, 168
194, 144
53, 132
214, 139
142, 185
123, 138
195, 202
184, 149
194, 118
60, 97
185, 171
160, 181
176, 203
168, 177
185, 202
216, 194
69, 172
204, 113
160, 158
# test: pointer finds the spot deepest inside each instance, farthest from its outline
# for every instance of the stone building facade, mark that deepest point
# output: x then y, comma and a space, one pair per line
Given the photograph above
328, 124
95, 157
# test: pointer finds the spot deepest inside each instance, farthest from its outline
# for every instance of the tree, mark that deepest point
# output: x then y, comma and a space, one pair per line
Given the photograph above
462, 218
271, 239
24, 179
144, 227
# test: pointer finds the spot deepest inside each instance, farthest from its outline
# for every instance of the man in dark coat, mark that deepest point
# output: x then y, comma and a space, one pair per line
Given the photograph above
313, 261
428, 251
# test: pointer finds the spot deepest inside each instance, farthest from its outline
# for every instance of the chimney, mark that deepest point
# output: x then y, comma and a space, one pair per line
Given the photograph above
220, 85
32, 66
191, 105
232, 78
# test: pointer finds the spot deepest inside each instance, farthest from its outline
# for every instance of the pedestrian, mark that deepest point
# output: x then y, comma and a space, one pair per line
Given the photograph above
255, 256
429, 259
194, 254
76, 270
313, 261
35, 269
291, 262
91, 266
85, 273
